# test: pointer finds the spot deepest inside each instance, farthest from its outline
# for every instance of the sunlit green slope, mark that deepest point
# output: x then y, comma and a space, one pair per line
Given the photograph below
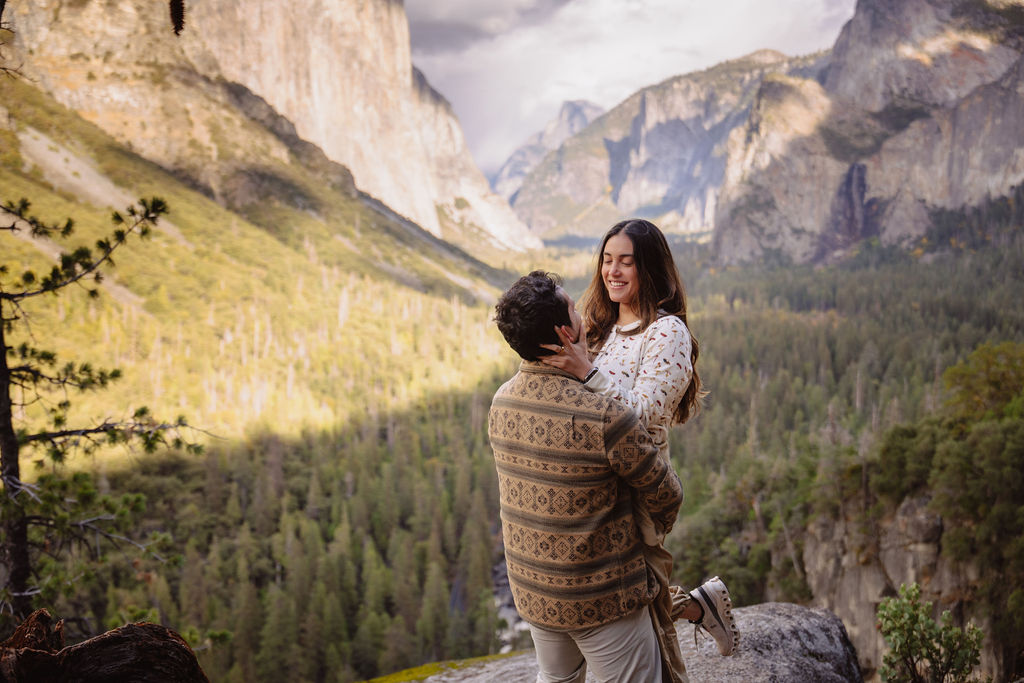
307, 304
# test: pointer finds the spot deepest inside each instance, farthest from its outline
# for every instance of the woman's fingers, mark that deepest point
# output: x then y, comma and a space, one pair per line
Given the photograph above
556, 360
573, 347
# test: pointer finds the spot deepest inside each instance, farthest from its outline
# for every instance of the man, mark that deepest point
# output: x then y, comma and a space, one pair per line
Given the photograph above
567, 462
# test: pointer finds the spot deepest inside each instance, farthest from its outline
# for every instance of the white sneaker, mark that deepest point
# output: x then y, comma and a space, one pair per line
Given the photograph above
718, 621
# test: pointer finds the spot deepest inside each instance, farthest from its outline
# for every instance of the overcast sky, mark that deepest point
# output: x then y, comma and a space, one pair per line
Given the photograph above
507, 65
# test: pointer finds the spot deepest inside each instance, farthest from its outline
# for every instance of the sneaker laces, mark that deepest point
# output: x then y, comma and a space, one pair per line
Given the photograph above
697, 626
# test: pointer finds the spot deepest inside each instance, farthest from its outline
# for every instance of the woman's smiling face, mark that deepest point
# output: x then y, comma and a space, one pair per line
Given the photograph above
618, 270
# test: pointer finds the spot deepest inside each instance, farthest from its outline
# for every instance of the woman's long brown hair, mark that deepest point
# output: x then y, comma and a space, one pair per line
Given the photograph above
659, 288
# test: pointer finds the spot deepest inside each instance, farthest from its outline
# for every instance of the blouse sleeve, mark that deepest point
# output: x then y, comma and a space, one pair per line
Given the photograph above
662, 376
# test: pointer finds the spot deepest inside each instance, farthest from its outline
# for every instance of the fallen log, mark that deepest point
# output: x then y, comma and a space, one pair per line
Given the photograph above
143, 652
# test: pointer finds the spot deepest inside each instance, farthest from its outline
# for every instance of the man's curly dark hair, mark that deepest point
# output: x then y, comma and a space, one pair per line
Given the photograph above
528, 312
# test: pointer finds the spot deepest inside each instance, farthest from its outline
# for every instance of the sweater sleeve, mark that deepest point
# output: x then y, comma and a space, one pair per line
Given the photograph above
662, 376
634, 457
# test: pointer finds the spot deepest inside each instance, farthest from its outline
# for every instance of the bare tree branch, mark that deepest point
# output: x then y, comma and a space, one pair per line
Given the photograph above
106, 428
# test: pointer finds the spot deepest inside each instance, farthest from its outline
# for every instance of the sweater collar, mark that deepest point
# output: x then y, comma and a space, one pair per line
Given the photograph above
628, 327
538, 368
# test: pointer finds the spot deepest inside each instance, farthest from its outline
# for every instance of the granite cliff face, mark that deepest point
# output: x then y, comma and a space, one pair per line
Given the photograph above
572, 118
930, 53
850, 571
661, 153
919, 105
340, 72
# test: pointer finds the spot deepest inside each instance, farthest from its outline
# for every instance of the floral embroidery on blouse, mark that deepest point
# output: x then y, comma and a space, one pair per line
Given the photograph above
649, 372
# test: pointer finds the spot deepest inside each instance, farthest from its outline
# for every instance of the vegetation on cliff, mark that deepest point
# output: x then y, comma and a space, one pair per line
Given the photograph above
923, 650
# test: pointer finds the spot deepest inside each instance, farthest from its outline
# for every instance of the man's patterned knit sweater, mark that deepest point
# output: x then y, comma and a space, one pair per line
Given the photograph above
567, 460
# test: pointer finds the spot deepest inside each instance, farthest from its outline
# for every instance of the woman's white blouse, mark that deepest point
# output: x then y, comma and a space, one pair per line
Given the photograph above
649, 372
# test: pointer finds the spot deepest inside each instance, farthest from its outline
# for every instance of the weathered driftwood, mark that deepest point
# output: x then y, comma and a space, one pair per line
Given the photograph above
147, 653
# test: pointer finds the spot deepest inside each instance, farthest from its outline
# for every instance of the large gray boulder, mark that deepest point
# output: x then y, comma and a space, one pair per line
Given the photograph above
779, 642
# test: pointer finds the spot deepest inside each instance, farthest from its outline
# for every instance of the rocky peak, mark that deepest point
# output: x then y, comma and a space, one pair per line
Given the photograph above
573, 116
660, 153
348, 82
765, 57
917, 107
930, 52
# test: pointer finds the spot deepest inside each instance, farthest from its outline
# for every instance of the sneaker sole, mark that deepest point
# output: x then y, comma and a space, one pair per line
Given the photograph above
726, 620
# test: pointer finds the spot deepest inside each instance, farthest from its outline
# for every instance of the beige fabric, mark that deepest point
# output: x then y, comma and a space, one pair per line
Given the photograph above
622, 651
659, 562
680, 601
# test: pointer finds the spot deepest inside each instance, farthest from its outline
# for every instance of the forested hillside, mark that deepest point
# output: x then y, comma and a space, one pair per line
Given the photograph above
276, 312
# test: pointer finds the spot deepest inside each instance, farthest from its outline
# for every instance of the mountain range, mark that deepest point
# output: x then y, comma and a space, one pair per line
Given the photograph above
917, 107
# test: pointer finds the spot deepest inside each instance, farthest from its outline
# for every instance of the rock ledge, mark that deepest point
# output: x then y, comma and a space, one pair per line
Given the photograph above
780, 642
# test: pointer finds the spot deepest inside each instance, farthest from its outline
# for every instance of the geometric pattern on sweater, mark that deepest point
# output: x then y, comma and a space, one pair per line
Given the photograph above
569, 463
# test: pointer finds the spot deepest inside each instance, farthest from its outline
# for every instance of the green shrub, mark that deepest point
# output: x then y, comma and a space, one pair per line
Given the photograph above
921, 649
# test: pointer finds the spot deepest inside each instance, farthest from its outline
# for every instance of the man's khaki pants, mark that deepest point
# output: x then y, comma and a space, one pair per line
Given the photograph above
623, 651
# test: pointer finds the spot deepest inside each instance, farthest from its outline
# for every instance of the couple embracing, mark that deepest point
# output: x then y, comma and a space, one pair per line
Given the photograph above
587, 490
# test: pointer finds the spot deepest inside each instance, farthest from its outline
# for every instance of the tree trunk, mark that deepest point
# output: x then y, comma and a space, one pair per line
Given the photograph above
142, 653
14, 547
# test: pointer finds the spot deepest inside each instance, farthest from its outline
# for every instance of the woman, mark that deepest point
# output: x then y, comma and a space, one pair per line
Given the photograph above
638, 350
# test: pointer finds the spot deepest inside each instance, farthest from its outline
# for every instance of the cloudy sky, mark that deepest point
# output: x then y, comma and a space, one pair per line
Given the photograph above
507, 65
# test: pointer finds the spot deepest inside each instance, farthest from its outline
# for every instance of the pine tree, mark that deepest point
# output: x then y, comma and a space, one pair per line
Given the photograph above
58, 511
279, 633
399, 650
406, 582
192, 593
432, 624
248, 615
369, 642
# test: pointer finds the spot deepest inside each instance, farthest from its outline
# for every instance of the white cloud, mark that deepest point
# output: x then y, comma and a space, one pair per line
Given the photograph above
446, 25
497, 14
506, 86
